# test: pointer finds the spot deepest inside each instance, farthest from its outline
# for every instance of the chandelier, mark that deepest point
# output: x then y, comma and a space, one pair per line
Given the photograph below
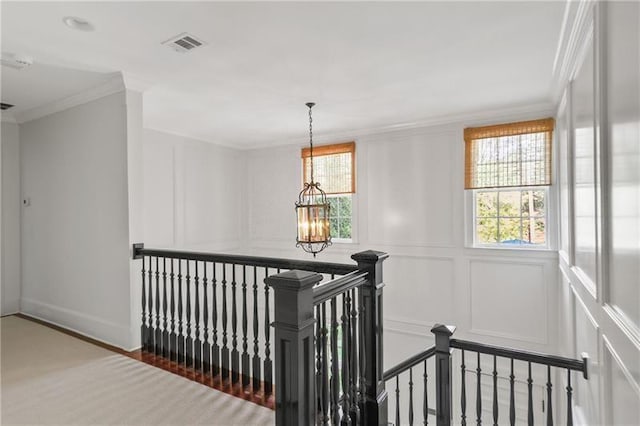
312, 209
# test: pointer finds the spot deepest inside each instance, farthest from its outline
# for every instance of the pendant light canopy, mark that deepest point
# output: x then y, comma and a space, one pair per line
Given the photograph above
312, 209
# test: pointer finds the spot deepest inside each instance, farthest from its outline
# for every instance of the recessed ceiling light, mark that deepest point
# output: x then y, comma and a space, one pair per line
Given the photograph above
78, 23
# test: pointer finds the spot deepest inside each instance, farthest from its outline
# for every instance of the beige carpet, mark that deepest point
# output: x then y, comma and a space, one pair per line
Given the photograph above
48, 377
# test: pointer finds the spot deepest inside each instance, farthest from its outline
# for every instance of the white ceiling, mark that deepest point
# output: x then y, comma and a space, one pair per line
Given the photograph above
366, 65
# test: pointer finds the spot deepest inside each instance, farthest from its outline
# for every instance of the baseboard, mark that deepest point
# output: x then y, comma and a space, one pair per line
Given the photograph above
87, 325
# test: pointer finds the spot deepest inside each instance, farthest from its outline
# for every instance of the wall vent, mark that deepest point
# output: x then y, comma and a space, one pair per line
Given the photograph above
184, 42
4, 106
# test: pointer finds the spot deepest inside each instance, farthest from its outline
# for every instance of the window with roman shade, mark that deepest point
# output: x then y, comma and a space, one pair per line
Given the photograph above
334, 169
508, 155
508, 169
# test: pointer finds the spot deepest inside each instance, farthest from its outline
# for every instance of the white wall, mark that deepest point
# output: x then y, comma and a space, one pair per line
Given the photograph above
599, 297
10, 218
193, 193
410, 203
75, 233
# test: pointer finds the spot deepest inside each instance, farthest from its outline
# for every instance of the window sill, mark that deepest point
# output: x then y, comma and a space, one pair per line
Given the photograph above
342, 241
542, 252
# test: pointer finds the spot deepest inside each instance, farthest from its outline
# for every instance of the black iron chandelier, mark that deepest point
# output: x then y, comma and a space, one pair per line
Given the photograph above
312, 209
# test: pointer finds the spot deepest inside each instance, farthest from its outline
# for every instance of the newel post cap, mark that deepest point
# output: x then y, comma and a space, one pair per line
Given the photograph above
369, 256
441, 329
293, 280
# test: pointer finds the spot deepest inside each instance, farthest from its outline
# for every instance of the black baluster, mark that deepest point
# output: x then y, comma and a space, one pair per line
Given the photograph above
225, 348
425, 404
411, 397
355, 348
188, 356
197, 343
246, 373
172, 336
463, 392
256, 328
325, 367
143, 324
512, 397
346, 399
318, 355
363, 355
495, 392
397, 401
206, 348
268, 365
569, 393
335, 384
165, 328
158, 333
150, 331
235, 355
549, 403
530, 395
215, 348
478, 394
180, 357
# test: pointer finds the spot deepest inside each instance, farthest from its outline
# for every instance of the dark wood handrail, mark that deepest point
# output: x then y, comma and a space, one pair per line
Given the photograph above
269, 262
534, 357
408, 363
333, 288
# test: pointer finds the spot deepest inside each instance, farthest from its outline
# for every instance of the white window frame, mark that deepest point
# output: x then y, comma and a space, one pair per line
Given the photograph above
351, 240
551, 218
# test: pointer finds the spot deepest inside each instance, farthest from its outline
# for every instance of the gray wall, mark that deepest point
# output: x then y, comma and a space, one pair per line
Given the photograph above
10, 218
75, 233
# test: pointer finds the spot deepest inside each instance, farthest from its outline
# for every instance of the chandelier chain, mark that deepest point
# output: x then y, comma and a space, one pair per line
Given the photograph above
311, 141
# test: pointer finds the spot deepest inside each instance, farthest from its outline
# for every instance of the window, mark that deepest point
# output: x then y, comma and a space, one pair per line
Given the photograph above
508, 169
334, 169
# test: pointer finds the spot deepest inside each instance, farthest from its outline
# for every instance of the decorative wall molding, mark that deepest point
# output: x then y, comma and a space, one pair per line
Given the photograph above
608, 347
474, 329
114, 85
626, 326
409, 327
578, 17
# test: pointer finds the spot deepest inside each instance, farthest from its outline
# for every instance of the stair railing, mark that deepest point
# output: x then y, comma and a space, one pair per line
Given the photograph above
329, 346
212, 313
442, 352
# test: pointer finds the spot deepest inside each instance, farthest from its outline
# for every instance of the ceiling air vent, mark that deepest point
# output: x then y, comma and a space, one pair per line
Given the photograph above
4, 106
184, 43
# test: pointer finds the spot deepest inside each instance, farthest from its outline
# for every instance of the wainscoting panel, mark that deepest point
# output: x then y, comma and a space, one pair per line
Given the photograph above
587, 338
624, 394
419, 212
420, 289
508, 299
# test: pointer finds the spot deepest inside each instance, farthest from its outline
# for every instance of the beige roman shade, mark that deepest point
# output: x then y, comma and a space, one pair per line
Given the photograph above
333, 167
508, 155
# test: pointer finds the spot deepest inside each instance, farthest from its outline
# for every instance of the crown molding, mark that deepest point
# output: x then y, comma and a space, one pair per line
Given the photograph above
444, 123
577, 25
194, 137
8, 118
135, 83
114, 85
